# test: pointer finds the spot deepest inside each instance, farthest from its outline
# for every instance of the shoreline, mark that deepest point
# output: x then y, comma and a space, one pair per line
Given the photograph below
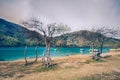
54, 57
111, 52
20, 56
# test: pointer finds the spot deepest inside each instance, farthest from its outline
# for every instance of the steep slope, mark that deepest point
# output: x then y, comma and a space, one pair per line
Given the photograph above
12, 34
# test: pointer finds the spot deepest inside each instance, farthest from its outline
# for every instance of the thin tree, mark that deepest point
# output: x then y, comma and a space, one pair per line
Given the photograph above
105, 34
26, 62
36, 54
25, 57
48, 32
92, 37
98, 37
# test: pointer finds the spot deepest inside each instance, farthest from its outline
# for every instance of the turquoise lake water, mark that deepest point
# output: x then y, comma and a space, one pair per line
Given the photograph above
15, 53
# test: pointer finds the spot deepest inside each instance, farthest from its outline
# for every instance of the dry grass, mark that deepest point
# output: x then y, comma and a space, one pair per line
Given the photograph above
75, 67
115, 50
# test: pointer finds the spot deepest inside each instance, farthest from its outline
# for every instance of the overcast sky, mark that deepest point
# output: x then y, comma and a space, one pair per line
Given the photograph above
80, 14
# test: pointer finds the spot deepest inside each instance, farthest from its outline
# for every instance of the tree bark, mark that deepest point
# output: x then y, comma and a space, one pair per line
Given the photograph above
46, 59
101, 47
92, 48
48, 55
36, 54
26, 62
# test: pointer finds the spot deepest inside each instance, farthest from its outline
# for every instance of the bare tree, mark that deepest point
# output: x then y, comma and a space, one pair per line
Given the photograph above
48, 32
99, 36
25, 57
105, 34
92, 37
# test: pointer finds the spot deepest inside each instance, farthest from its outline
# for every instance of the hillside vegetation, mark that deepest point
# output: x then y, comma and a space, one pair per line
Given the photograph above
15, 35
82, 39
12, 34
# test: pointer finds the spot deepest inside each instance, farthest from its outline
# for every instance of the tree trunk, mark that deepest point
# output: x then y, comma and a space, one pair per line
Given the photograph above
101, 47
44, 54
46, 59
26, 62
92, 48
36, 54
48, 55
94, 56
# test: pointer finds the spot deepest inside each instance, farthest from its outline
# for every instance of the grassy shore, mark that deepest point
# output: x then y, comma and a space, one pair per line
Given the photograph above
74, 67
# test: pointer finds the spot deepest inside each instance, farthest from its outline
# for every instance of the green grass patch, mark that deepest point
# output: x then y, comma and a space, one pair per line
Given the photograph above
44, 69
93, 61
100, 60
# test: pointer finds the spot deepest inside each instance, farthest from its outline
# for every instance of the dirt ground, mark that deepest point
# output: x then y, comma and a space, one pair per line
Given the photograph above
74, 67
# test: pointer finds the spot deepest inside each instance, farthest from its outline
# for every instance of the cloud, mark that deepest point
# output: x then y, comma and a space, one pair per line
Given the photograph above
80, 14
14, 10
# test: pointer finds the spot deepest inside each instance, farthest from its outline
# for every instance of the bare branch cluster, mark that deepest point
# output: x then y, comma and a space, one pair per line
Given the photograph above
101, 35
48, 31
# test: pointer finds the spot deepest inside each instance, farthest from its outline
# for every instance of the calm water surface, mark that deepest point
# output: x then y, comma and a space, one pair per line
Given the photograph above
14, 53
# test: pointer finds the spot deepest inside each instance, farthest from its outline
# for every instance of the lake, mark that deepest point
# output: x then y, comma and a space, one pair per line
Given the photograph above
15, 53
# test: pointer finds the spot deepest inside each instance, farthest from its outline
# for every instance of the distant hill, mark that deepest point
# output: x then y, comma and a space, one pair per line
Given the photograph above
81, 39
12, 34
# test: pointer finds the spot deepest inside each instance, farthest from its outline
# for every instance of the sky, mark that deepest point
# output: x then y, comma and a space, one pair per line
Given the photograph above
78, 14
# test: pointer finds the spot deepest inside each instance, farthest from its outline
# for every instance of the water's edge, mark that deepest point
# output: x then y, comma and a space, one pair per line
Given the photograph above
17, 53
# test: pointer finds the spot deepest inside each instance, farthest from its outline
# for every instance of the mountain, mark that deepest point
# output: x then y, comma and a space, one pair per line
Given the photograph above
82, 39
12, 34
